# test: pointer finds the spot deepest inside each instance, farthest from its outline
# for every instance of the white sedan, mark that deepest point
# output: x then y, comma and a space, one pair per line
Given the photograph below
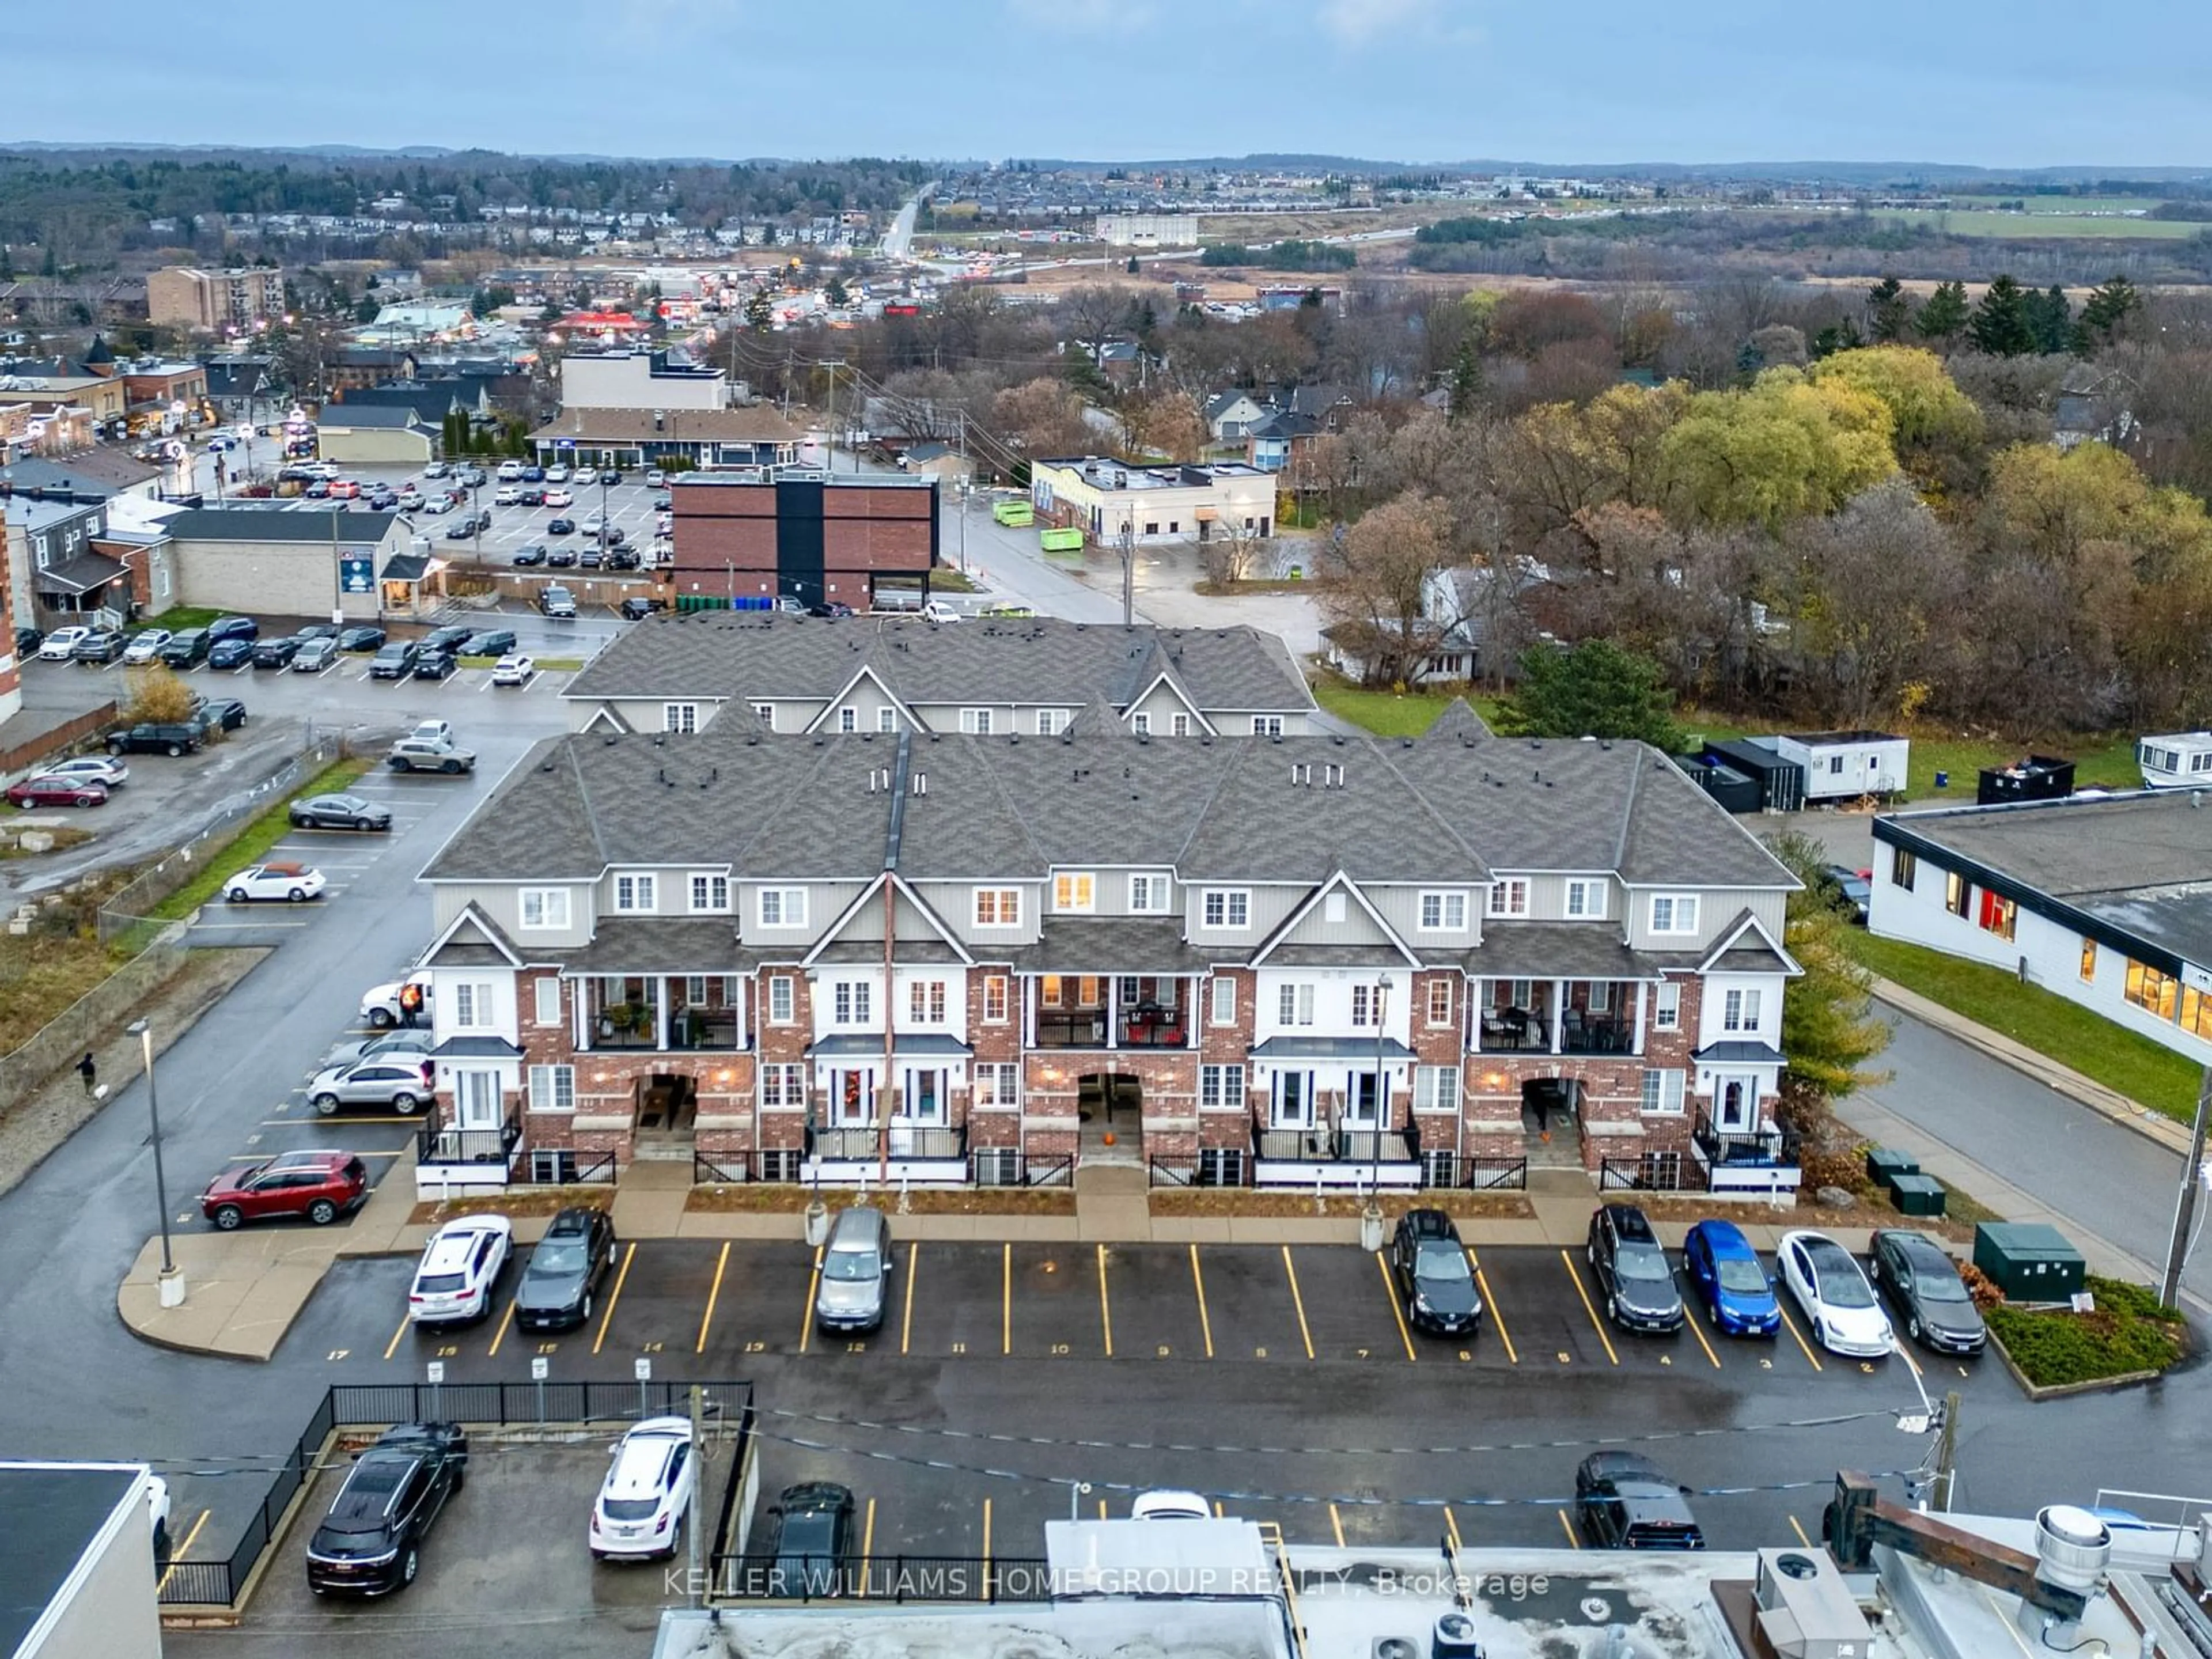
513, 669
91, 769
1826, 1282
146, 645
460, 1266
642, 1501
58, 644
292, 883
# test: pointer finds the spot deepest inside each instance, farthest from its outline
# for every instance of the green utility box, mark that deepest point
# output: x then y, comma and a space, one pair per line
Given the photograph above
1917, 1194
1885, 1163
2028, 1260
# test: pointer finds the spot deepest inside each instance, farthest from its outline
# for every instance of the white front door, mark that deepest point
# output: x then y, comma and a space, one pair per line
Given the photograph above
1359, 1098
475, 1100
1735, 1102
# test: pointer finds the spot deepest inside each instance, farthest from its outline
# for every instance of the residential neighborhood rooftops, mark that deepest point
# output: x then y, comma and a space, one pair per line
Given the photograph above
2139, 862
756, 656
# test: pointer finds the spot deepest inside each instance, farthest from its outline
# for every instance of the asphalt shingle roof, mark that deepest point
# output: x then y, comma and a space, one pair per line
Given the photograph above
763, 656
217, 523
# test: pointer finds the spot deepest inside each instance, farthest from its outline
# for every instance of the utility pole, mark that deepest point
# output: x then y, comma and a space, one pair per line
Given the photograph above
1128, 574
2185, 1207
698, 1489
1946, 1453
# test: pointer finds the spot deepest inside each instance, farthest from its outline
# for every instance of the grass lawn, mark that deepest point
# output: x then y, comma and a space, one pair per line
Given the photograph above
2107, 761
1977, 223
2139, 1068
2129, 1332
251, 845
178, 618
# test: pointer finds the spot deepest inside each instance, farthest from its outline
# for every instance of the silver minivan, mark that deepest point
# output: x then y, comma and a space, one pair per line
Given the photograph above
856, 1264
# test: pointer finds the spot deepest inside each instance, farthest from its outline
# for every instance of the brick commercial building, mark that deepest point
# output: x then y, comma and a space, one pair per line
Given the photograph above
1298, 962
813, 539
187, 297
756, 436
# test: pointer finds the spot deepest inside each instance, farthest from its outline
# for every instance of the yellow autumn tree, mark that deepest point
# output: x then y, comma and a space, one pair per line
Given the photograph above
1785, 447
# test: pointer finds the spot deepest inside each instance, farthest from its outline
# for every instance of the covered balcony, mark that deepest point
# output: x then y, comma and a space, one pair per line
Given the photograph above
1089, 1011
1560, 1016
662, 1013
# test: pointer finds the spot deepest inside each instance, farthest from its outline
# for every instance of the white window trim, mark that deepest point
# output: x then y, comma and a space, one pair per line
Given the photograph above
1221, 1002
1229, 897
545, 987
1678, 904
1141, 725
975, 907
789, 987
1594, 902
1075, 906
709, 908
1445, 898
546, 897
784, 904
1148, 896
976, 722
1006, 1000
1429, 1004
1666, 1005
547, 1098
641, 884
679, 717
1504, 891
849, 718
1673, 1100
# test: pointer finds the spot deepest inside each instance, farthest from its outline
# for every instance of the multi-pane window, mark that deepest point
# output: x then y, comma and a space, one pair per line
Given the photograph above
1148, 894
998, 1085
783, 907
710, 892
850, 1003
925, 1001
552, 1088
1674, 913
976, 720
679, 717
1179, 725
782, 1085
1267, 726
1509, 897
1440, 1002
1435, 1088
994, 998
2195, 1012
782, 999
1366, 1005
998, 907
849, 719
1662, 1090
886, 719
1586, 900
765, 714
1294, 1003
2151, 989
1221, 1085
1222, 996
1141, 725
544, 907
1666, 1005
1048, 721
547, 991
1739, 1010
635, 892
1074, 891
1227, 907
472, 1007
1443, 913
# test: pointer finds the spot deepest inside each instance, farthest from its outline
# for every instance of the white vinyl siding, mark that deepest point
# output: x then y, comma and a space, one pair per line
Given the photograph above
544, 910
783, 907
1674, 913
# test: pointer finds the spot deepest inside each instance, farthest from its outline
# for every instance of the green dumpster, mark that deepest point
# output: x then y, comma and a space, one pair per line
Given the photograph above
1883, 1163
2028, 1260
1917, 1194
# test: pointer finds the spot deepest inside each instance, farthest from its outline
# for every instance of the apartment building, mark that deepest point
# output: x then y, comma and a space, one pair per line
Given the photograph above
187, 297
940, 956
1032, 675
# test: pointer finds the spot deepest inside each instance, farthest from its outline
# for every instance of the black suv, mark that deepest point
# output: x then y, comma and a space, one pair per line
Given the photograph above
1632, 1273
188, 649
1430, 1268
232, 628
371, 1540
394, 660
565, 1270
162, 737
1623, 1504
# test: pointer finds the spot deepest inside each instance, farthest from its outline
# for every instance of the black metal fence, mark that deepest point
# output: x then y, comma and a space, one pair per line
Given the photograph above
380, 1405
1653, 1172
1009, 1166
1500, 1175
893, 1578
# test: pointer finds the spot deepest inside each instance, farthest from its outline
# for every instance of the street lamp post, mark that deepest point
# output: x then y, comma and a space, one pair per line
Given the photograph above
172, 1282
1370, 1218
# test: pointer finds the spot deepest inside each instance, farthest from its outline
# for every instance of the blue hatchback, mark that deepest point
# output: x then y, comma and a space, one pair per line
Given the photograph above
1725, 1275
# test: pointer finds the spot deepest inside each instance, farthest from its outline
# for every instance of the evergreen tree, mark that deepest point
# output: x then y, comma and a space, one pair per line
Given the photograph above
2050, 320
2105, 314
1999, 324
760, 311
1943, 314
1889, 310
1837, 337
1597, 690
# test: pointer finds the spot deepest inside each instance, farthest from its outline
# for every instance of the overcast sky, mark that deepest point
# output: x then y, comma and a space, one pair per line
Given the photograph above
1994, 82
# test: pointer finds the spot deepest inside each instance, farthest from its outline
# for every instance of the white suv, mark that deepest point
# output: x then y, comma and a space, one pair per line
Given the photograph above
510, 473
647, 1490
460, 1266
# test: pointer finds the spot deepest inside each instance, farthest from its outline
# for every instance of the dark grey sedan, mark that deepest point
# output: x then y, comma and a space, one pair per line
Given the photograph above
1919, 1279
339, 812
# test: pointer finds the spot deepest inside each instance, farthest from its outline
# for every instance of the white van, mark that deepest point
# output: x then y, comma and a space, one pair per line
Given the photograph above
510, 473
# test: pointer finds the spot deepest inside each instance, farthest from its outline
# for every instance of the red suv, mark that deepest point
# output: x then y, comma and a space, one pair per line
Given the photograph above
320, 1185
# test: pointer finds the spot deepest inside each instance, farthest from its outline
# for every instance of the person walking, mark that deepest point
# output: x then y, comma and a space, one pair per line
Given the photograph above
87, 1071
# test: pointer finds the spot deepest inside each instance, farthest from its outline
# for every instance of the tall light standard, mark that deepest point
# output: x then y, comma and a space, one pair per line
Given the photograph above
172, 1282
1370, 1218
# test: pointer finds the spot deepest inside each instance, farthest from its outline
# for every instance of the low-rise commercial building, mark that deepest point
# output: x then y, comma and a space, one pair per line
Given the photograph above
1108, 500
2105, 899
289, 559
1148, 229
365, 434
816, 540
77, 1574
640, 379
648, 435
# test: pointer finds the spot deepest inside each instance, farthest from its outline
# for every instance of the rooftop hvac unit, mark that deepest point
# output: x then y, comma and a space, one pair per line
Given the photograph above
1804, 1609
1454, 1638
1395, 1646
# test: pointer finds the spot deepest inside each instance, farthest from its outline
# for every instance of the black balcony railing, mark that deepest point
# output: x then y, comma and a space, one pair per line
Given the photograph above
1070, 1028
915, 1141
1322, 1145
436, 1144
1753, 1148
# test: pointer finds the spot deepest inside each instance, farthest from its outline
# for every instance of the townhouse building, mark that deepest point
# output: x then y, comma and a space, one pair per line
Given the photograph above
1029, 675
943, 956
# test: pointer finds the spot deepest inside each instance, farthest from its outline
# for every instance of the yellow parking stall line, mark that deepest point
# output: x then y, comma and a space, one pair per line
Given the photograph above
1569, 1527
1905, 1354
1220, 1510
713, 1294
867, 1540
1790, 1325
1799, 1531
1336, 1522
912, 1273
987, 1549
1297, 1301
506, 1320
1006, 1306
1451, 1529
622, 1277
1105, 1308
1691, 1320
806, 1314
182, 1550
393, 1347
1205, 1319
1589, 1307
1396, 1312
1101, 1509
1496, 1317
